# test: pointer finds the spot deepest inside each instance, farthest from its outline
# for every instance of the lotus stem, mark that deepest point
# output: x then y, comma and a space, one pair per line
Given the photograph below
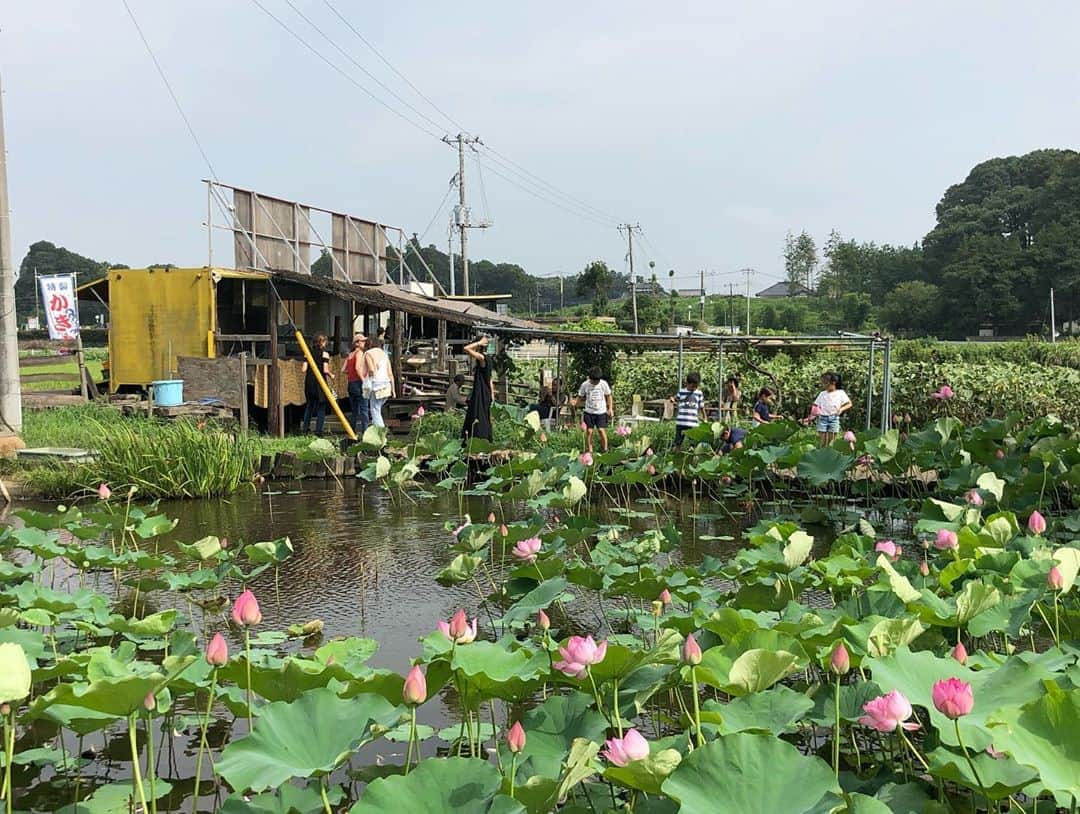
202, 735
971, 763
836, 734
9, 754
412, 738
135, 767
913, 750
151, 770
513, 774
697, 707
615, 707
325, 799
247, 666
1057, 620
596, 693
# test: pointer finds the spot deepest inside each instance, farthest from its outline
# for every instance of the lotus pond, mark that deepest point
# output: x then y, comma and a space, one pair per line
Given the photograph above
884, 625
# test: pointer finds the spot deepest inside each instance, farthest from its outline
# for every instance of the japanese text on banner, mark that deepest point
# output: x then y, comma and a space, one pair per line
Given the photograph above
61, 306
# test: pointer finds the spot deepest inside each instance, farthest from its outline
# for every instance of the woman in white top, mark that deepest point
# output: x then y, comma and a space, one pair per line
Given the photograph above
378, 381
832, 402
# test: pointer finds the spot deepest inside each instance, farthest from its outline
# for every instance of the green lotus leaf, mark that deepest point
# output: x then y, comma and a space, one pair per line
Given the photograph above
798, 548
156, 624
1001, 776
551, 730
113, 798
648, 774
308, 737
541, 597
155, 526
453, 785
1045, 735
203, 548
889, 634
15, 678
574, 490
862, 804
273, 552
749, 774
775, 711
497, 671
824, 465
461, 568
1009, 616
974, 598
899, 584
757, 670
351, 653
288, 799
989, 482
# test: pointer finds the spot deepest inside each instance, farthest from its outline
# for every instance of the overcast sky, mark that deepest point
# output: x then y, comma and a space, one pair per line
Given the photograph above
716, 126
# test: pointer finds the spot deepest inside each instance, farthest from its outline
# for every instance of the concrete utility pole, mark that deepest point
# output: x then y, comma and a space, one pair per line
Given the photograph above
1053, 320
462, 215
450, 251
633, 281
10, 388
748, 272
701, 294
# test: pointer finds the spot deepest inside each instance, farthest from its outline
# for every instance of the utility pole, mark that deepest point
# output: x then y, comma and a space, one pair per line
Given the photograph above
1053, 321
702, 295
633, 282
462, 214
730, 304
10, 388
748, 272
450, 250
561, 303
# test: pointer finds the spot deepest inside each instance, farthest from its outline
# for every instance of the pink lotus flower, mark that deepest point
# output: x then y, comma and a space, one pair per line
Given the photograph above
419, 412
1036, 524
583, 426
889, 549
543, 620
622, 430
840, 660
1054, 580
726, 480
578, 654
888, 712
414, 692
815, 411
515, 738
503, 530
526, 550
849, 436
627, 749
999, 454
224, 542
458, 629
665, 596
491, 517
953, 698
924, 569
650, 469
960, 653
149, 702
245, 610
555, 519
866, 460
691, 651
468, 522
973, 497
994, 753
217, 652
649, 451
944, 393
586, 459
946, 539
104, 492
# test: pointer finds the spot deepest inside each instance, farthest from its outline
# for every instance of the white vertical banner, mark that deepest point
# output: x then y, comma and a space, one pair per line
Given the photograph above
61, 306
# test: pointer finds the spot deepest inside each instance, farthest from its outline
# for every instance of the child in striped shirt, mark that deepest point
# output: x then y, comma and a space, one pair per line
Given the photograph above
689, 407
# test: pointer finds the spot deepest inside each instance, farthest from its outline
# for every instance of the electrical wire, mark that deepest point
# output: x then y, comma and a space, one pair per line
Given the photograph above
343, 73
360, 67
438, 212
172, 93
483, 191
388, 64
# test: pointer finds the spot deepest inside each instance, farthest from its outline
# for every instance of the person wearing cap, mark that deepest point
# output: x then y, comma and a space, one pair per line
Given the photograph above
353, 368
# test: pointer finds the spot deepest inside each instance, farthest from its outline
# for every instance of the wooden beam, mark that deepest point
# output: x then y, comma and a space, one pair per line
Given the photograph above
50, 377
441, 350
397, 339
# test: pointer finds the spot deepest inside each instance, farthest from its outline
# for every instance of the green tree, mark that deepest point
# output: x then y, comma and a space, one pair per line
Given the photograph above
913, 307
596, 281
45, 258
800, 259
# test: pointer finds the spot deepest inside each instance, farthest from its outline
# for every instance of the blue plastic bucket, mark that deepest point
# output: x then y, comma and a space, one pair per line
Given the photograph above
168, 392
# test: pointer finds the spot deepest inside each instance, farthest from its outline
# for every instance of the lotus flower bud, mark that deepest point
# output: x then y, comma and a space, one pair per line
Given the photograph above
839, 660
414, 691
104, 492
1036, 524
149, 702
217, 652
515, 738
245, 611
543, 620
665, 596
924, 569
960, 653
1054, 580
691, 651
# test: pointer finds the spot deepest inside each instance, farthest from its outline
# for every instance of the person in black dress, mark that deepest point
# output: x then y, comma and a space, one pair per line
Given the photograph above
315, 399
478, 410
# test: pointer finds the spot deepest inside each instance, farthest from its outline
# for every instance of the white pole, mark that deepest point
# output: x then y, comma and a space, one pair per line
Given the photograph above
748, 273
10, 388
450, 248
1053, 322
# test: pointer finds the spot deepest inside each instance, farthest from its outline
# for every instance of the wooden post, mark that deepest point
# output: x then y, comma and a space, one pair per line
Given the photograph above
560, 371
504, 381
397, 348
150, 401
336, 339
243, 395
274, 410
80, 358
441, 350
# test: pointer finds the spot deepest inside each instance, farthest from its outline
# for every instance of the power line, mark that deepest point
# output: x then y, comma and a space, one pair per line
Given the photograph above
343, 73
388, 64
442, 203
365, 71
172, 93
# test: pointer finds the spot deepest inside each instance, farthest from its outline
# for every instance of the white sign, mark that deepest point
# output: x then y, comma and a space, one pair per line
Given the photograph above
61, 307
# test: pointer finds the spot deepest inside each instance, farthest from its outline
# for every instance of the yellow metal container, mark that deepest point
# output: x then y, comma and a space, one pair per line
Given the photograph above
156, 315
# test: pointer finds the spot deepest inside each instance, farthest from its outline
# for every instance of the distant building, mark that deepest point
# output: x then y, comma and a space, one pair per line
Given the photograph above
649, 287
689, 292
784, 289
